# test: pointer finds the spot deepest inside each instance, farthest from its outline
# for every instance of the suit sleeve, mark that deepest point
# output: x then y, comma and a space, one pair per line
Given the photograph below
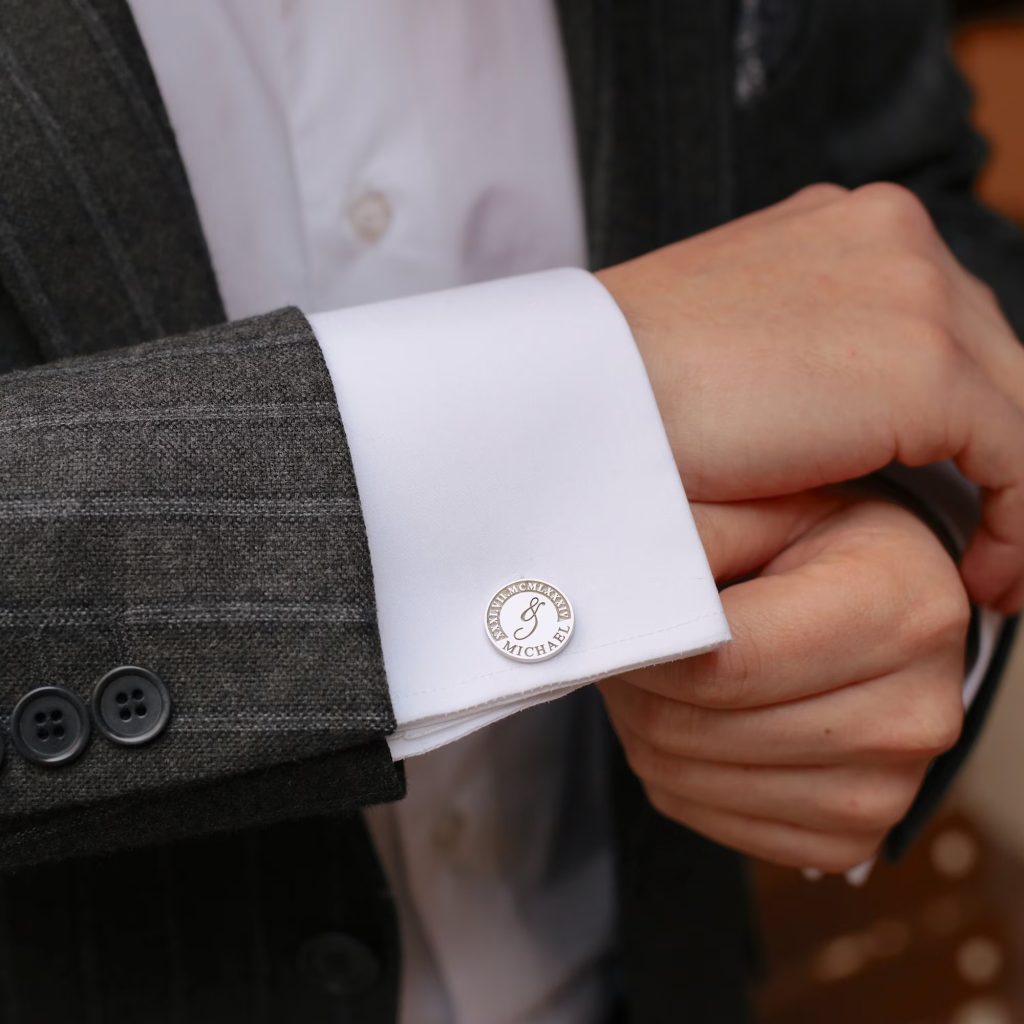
189, 506
902, 113
312, 586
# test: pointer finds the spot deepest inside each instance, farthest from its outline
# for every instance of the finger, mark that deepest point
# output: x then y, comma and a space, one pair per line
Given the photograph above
982, 328
991, 453
807, 199
904, 717
775, 841
991, 431
822, 616
989, 568
944, 406
974, 316
984, 332
847, 798
740, 537
1013, 599
995, 567
794, 635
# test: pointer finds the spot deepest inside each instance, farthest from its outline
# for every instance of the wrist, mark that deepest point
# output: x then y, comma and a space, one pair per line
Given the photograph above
631, 291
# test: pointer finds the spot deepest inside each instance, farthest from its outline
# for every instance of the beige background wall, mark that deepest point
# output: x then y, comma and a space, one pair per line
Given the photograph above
992, 787
991, 54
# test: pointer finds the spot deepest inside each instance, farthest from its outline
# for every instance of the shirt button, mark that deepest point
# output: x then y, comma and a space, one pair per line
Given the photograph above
448, 831
370, 216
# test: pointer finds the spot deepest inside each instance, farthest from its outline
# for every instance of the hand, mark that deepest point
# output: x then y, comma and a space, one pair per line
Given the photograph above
805, 739
820, 339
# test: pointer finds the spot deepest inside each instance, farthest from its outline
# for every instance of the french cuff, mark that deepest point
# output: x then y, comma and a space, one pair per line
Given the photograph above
526, 522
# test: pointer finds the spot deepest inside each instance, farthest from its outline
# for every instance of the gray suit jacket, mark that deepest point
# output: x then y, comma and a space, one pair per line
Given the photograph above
176, 493
188, 505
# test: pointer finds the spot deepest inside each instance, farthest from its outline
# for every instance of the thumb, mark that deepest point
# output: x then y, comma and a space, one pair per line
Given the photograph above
740, 537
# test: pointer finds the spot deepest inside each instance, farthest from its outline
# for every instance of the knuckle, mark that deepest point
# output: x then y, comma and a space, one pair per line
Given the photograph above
942, 619
919, 726
731, 677
936, 346
891, 207
873, 807
654, 722
926, 371
942, 727
930, 369
662, 801
646, 717
985, 291
823, 190
923, 284
642, 759
991, 298
712, 536
931, 726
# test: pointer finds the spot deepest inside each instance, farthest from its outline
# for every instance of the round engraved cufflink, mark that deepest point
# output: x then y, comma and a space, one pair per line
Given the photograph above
529, 620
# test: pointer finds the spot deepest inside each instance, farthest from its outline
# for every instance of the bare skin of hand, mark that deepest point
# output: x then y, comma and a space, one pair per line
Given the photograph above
822, 338
805, 739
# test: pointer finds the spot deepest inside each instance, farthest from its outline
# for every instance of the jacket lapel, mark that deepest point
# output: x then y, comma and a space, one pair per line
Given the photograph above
100, 244
652, 87
652, 91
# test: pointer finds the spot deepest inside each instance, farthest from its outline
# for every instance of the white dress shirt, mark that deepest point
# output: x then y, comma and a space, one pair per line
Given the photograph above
345, 153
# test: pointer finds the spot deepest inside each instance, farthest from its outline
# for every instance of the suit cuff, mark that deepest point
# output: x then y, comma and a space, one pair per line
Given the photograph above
951, 504
948, 502
501, 432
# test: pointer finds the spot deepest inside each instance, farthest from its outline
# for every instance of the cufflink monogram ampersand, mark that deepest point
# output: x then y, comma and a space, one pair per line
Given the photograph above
529, 620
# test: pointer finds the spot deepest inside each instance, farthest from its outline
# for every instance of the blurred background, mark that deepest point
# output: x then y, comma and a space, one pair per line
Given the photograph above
939, 938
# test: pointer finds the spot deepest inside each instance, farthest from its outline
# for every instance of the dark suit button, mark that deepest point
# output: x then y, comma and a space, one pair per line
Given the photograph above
132, 705
50, 726
339, 963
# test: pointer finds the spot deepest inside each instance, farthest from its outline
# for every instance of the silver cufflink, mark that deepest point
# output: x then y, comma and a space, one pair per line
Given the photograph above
529, 620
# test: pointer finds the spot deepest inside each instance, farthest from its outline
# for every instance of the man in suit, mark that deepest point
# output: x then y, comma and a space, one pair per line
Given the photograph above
256, 558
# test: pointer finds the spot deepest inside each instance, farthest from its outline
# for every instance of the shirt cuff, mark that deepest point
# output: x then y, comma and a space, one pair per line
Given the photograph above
507, 432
